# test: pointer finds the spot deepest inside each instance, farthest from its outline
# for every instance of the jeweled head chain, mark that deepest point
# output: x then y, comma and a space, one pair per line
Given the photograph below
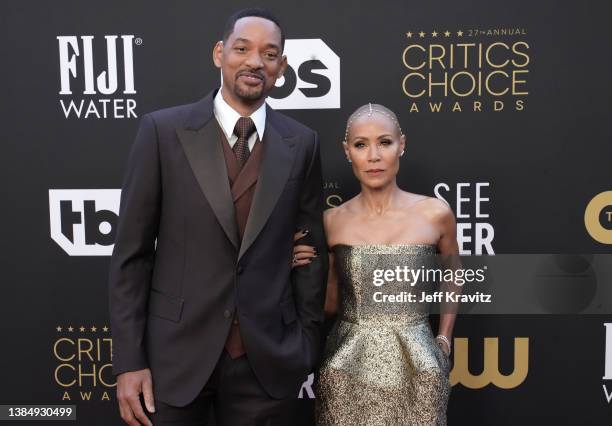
369, 111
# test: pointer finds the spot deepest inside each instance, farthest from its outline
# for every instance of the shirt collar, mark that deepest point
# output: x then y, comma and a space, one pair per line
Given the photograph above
228, 116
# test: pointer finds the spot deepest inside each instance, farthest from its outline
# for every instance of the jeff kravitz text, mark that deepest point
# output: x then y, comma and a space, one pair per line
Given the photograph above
429, 276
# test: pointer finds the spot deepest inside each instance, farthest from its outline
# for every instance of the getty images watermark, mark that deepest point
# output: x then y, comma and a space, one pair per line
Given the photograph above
500, 284
411, 277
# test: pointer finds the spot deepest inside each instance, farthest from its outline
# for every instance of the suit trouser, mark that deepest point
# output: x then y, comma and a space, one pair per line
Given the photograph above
234, 397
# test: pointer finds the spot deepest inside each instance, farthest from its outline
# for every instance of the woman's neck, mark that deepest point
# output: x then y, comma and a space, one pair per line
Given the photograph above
377, 202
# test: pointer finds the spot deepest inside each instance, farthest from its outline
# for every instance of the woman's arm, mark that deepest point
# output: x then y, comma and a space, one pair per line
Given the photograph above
303, 255
449, 251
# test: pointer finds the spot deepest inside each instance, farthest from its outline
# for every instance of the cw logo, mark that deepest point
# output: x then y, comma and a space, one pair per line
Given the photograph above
490, 372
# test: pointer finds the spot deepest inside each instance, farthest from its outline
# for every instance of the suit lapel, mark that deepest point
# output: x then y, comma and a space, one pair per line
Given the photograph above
278, 154
200, 141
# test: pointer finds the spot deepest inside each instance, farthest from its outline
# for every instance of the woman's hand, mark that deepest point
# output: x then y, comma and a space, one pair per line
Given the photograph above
302, 254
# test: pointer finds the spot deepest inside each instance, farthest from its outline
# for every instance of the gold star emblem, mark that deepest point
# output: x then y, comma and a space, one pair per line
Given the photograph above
58, 328
421, 34
105, 329
81, 328
70, 329
460, 33
409, 34
447, 33
93, 328
434, 34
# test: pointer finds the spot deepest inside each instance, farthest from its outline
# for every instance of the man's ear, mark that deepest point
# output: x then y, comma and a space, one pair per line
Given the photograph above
217, 53
283, 67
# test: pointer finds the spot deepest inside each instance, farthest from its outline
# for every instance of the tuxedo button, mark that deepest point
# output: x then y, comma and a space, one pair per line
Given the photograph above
227, 313
235, 322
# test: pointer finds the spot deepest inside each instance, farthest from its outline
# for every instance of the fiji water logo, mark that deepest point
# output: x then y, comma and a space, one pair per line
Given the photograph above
97, 77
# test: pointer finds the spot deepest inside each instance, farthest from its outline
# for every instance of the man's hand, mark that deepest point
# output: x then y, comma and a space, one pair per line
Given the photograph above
129, 386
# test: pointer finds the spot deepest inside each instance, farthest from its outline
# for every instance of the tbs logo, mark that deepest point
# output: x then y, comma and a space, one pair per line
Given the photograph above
312, 79
83, 221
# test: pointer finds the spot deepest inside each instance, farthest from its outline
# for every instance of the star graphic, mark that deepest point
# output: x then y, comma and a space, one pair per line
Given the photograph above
70, 329
421, 34
93, 328
447, 33
82, 328
460, 33
58, 328
105, 329
409, 34
434, 34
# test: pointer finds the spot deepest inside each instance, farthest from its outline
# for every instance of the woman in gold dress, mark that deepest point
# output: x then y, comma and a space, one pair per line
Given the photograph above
381, 363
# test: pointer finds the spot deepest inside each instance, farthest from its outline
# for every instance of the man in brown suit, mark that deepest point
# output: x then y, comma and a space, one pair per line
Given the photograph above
205, 310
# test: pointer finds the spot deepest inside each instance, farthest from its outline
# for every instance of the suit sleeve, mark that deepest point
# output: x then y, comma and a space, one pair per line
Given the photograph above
309, 282
131, 264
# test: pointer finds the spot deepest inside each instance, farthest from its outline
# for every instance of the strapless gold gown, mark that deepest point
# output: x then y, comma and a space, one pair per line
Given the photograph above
381, 364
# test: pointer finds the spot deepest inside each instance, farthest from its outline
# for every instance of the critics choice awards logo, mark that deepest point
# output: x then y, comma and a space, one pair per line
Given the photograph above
471, 70
82, 358
97, 76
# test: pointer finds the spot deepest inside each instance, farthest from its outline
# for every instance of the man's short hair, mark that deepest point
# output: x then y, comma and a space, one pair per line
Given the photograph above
254, 12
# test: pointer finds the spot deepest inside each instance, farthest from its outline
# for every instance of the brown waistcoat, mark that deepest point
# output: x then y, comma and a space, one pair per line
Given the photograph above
242, 185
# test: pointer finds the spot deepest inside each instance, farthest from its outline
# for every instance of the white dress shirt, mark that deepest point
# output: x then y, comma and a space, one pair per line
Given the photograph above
227, 117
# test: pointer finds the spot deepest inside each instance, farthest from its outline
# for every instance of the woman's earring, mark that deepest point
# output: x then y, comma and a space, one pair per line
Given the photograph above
348, 159
402, 153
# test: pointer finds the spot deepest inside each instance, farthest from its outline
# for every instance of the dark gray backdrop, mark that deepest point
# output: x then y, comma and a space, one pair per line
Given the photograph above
542, 165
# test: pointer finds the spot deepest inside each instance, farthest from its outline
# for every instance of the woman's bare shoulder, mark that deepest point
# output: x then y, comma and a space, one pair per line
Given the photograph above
336, 218
339, 211
430, 208
435, 210
330, 216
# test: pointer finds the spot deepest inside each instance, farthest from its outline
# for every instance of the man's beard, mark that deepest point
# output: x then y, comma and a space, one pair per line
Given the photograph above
249, 96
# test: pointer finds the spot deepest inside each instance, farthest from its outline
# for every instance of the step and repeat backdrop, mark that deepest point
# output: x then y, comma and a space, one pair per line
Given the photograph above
506, 108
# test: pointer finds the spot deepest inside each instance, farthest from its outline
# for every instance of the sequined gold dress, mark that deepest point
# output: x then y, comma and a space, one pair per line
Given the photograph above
381, 364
